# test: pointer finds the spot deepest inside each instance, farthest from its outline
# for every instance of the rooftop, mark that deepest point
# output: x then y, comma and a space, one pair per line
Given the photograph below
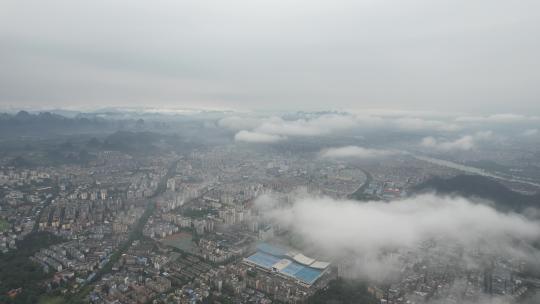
295, 265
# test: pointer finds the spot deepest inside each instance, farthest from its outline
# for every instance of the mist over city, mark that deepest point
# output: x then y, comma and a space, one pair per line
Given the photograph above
171, 152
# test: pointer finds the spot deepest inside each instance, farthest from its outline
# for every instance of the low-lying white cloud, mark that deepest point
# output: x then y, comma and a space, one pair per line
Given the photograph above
336, 224
366, 230
438, 128
256, 137
464, 143
320, 125
417, 124
274, 128
325, 124
355, 152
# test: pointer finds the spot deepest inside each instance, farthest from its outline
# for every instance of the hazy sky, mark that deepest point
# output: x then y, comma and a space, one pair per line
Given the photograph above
459, 55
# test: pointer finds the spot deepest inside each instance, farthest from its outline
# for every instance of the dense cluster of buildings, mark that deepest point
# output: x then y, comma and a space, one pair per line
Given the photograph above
187, 228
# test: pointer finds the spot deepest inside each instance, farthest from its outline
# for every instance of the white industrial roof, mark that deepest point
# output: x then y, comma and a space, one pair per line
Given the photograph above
320, 265
302, 259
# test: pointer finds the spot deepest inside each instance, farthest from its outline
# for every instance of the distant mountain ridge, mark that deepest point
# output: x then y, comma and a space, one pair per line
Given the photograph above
24, 123
26, 117
470, 186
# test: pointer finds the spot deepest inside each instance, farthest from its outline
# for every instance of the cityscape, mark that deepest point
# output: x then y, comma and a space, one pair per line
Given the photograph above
269, 152
198, 220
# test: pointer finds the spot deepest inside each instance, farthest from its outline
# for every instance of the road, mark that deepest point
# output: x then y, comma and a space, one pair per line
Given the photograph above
135, 234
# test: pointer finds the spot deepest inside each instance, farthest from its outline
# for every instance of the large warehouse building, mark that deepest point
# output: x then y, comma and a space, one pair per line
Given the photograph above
287, 263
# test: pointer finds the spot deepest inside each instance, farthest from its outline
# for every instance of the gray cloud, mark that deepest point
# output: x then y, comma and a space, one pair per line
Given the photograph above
450, 55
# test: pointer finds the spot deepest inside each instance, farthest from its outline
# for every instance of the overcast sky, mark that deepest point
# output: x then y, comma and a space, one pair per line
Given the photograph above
454, 55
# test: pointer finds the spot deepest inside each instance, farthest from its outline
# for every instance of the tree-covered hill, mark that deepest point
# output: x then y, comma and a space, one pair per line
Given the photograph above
471, 186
